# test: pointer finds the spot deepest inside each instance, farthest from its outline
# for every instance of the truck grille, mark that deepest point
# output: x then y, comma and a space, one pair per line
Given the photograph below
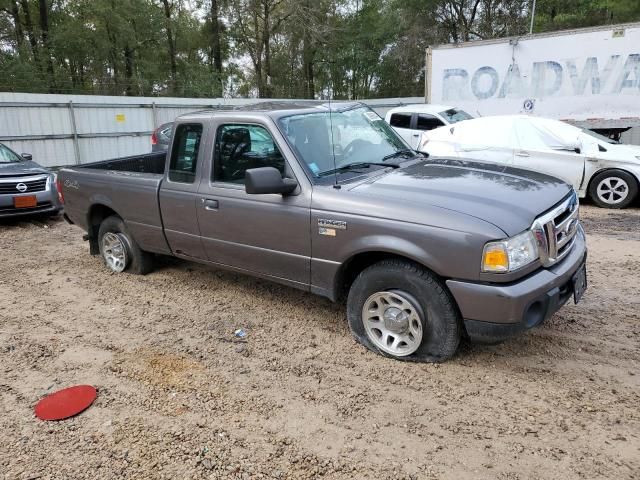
17, 187
556, 231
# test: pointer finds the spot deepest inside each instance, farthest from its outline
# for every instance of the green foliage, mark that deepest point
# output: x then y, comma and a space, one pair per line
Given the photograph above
346, 49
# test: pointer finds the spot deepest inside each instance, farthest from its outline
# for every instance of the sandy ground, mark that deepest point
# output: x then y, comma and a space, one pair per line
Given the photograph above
180, 398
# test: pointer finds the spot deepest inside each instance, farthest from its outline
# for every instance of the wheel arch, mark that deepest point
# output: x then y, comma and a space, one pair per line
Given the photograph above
355, 264
95, 216
631, 173
634, 175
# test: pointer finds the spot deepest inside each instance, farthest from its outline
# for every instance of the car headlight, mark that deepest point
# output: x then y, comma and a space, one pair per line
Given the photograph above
510, 254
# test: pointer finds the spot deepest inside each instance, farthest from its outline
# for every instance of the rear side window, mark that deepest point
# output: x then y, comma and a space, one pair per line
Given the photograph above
400, 120
428, 122
184, 156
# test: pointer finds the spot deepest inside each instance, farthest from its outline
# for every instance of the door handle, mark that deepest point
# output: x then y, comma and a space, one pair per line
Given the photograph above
416, 135
592, 159
210, 204
522, 154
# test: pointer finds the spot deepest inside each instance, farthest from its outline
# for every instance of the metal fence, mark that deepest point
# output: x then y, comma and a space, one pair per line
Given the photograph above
73, 129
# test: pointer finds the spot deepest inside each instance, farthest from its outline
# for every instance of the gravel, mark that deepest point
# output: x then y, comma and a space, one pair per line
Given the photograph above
181, 397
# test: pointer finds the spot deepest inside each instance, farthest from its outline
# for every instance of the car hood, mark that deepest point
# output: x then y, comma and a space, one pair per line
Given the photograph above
27, 167
629, 153
506, 197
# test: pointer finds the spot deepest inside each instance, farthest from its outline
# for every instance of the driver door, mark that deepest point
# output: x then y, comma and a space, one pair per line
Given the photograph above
268, 235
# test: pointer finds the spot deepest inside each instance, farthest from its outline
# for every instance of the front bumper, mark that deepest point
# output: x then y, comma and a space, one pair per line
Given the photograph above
493, 312
47, 199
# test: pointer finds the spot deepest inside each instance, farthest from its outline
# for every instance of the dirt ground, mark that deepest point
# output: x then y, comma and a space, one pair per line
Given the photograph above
179, 397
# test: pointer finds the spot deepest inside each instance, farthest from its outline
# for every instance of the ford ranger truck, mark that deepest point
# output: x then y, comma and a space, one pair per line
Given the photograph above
329, 199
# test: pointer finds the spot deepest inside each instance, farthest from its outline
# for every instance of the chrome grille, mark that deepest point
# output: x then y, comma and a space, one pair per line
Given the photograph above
27, 185
555, 231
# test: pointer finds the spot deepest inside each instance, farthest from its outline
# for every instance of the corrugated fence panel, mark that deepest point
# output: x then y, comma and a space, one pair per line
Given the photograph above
49, 153
631, 136
104, 148
110, 120
105, 127
18, 121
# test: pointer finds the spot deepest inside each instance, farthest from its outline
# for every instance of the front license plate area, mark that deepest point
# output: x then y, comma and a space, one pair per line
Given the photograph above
28, 201
579, 281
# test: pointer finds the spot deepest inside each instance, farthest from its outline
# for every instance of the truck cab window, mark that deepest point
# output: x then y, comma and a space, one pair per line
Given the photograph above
240, 147
400, 120
428, 122
184, 155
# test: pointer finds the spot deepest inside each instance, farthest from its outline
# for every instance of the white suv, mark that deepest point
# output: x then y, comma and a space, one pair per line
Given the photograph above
409, 121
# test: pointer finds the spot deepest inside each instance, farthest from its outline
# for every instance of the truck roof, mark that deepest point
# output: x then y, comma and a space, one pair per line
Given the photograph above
276, 109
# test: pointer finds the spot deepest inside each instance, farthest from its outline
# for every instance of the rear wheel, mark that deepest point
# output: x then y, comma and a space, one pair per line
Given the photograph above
119, 250
401, 310
613, 189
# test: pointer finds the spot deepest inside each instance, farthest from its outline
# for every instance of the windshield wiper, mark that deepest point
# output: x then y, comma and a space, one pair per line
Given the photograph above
404, 153
357, 165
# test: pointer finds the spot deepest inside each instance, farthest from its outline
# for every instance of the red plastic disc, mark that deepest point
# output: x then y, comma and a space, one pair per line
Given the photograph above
66, 403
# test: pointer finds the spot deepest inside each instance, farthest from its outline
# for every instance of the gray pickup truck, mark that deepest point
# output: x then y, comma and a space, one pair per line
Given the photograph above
328, 199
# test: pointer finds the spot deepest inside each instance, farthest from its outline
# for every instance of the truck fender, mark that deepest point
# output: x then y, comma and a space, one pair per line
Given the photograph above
373, 248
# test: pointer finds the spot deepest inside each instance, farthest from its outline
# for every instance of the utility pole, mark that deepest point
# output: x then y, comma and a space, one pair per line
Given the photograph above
533, 16
427, 75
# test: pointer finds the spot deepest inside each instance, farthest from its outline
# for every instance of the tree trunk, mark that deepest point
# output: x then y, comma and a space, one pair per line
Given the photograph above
172, 47
266, 38
44, 30
128, 71
216, 49
30, 30
308, 54
15, 13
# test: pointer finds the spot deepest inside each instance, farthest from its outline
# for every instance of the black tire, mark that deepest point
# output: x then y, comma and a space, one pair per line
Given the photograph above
441, 324
138, 261
614, 175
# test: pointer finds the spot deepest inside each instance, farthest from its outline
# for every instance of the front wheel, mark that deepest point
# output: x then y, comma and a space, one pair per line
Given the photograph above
401, 310
613, 189
119, 249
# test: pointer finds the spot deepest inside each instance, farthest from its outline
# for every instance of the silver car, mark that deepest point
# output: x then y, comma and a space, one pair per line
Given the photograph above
26, 187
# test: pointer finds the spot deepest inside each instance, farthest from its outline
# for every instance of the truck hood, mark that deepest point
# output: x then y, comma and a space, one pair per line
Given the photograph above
506, 197
27, 167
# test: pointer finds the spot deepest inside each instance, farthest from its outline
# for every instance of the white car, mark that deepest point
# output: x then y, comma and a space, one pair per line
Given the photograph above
605, 170
410, 121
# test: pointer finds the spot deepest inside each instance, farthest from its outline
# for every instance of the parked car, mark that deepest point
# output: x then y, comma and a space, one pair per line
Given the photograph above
425, 251
161, 137
25, 187
604, 170
410, 121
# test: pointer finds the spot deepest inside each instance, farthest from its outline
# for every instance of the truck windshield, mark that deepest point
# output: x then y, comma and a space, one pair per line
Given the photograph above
454, 115
358, 136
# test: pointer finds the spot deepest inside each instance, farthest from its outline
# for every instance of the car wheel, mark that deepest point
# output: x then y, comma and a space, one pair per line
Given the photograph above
401, 310
119, 250
613, 189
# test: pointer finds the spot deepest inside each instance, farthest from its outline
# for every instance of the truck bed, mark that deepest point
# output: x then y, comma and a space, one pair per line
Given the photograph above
148, 163
127, 187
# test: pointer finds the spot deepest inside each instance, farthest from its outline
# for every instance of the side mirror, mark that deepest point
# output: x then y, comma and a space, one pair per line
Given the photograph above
577, 146
26, 156
260, 181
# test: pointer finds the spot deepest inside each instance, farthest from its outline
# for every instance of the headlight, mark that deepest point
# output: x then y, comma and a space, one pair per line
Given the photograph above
510, 254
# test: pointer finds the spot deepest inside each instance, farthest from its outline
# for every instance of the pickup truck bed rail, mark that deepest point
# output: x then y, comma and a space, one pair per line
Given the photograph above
147, 163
